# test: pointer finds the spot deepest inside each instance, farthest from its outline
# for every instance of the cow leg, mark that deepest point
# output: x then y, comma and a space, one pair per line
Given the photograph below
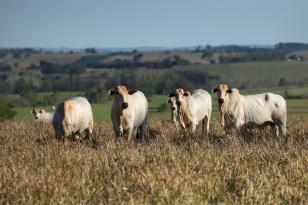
60, 136
142, 128
118, 133
203, 124
76, 136
276, 130
208, 122
282, 129
129, 133
193, 127
89, 132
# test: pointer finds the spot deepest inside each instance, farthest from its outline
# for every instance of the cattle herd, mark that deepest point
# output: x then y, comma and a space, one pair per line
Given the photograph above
188, 109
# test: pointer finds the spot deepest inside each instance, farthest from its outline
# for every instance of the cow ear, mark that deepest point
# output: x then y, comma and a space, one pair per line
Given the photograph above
214, 90
132, 91
111, 92
229, 91
187, 93
171, 95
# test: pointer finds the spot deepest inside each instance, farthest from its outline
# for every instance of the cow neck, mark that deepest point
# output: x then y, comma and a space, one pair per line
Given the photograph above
183, 115
229, 107
224, 111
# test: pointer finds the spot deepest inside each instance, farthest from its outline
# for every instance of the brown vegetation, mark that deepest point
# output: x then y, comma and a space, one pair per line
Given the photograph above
256, 168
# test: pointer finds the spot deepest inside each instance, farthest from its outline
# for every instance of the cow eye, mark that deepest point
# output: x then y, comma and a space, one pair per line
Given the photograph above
40, 111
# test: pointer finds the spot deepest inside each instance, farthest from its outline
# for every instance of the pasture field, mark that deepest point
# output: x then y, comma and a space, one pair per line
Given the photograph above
255, 168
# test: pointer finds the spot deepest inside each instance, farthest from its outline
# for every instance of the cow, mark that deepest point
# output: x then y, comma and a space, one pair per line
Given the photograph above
193, 108
40, 115
174, 110
237, 110
129, 112
72, 117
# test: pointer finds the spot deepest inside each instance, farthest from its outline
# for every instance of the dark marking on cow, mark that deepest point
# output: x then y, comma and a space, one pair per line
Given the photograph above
266, 98
276, 105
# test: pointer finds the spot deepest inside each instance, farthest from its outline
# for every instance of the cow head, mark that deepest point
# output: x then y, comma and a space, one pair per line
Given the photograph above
173, 106
37, 113
121, 94
222, 92
180, 94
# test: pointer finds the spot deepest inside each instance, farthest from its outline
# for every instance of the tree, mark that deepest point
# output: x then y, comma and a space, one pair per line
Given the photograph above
206, 54
282, 82
24, 87
90, 50
137, 57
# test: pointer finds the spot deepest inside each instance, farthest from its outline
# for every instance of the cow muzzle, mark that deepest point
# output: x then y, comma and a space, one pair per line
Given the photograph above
221, 100
124, 105
173, 108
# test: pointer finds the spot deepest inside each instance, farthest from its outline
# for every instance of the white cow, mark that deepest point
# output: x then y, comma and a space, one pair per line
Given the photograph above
237, 110
174, 111
193, 108
129, 112
40, 115
72, 117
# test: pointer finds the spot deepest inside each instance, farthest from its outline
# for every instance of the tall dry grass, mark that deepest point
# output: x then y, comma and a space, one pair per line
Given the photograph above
255, 168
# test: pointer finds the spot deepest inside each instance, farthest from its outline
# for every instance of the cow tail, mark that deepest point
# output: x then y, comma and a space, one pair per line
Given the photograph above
66, 118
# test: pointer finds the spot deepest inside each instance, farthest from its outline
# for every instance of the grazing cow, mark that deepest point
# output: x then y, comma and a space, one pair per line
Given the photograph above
174, 110
193, 108
40, 115
237, 110
72, 117
129, 112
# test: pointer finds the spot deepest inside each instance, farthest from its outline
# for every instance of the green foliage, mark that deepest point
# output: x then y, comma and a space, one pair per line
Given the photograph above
90, 50
267, 55
96, 95
4, 67
167, 62
6, 112
51, 68
291, 46
84, 61
24, 86
163, 107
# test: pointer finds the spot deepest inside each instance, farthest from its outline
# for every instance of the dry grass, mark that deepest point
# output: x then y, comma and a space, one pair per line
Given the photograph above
259, 168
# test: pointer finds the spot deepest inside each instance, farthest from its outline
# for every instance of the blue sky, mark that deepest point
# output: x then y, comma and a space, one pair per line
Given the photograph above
135, 23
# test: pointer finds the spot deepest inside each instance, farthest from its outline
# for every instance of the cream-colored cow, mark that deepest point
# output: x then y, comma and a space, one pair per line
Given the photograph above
237, 110
193, 108
72, 117
40, 115
129, 112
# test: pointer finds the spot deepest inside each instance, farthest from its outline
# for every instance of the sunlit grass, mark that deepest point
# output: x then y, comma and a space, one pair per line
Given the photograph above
257, 168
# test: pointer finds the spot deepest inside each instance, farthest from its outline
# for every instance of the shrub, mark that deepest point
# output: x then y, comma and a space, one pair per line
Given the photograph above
6, 112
